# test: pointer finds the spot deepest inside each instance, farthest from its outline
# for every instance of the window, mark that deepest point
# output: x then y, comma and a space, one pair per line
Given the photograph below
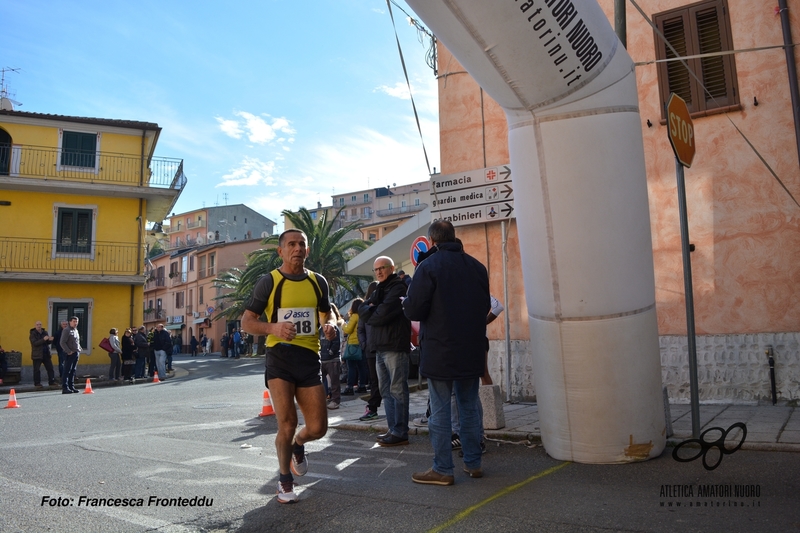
212, 261
416, 201
391, 205
353, 198
313, 215
191, 264
160, 280
366, 197
78, 149
200, 295
64, 309
366, 212
402, 203
179, 300
74, 230
341, 201
701, 28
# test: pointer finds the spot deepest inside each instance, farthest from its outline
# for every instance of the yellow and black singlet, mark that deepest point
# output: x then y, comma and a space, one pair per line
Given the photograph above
298, 299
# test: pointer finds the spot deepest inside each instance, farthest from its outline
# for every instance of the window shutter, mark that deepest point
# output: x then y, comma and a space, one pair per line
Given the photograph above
679, 79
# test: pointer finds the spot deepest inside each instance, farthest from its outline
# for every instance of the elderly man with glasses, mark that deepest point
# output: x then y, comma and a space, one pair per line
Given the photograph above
390, 335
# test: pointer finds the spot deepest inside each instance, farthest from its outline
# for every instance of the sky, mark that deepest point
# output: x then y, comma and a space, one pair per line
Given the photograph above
275, 104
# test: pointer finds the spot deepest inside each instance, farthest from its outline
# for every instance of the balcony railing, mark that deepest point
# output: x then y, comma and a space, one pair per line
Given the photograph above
400, 210
155, 314
154, 283
100, 167
195, 224
44, 255
205, 272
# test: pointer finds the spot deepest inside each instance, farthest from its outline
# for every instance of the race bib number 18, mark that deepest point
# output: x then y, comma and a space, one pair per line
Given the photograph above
302, 317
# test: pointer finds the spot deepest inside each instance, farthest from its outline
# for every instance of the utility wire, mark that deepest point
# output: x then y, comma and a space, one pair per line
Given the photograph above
408, 83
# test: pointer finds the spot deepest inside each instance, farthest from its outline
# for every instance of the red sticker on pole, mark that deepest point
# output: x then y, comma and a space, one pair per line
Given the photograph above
420, 246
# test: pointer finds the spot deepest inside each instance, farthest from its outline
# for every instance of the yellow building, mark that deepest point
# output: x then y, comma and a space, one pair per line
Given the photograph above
75, 195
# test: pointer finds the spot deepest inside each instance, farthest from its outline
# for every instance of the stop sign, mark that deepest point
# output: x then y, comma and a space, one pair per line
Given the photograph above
681, 130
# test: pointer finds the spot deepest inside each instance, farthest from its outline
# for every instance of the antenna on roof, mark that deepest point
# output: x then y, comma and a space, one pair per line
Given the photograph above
6, 102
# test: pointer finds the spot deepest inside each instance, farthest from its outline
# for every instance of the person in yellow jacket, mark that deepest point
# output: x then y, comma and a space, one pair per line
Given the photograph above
357, 368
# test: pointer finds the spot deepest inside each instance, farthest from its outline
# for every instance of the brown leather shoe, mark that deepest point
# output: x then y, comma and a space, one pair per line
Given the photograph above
474, 472
432, 477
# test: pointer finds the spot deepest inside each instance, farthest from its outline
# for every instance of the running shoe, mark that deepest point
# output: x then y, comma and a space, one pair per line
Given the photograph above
421, 422
299, 464
286, 492
456, 441
369, 415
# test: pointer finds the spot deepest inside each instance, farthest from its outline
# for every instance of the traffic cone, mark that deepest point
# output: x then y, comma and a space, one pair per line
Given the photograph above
266, 409
88, 389
155, 377
12, 400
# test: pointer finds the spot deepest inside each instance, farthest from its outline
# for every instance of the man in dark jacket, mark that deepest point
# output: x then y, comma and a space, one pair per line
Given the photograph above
142, 352
390, 335
371, 412
162, 343
57, 344
450, 298
40, 355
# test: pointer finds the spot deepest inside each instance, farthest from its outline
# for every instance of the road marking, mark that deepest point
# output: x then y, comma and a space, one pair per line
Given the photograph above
202, 460
344, 464
508, 490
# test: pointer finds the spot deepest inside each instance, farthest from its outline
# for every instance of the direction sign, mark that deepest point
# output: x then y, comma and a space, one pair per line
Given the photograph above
421, 245
681, 130
474, 197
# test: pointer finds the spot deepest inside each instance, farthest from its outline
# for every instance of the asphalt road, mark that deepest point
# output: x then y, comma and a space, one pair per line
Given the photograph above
64, 459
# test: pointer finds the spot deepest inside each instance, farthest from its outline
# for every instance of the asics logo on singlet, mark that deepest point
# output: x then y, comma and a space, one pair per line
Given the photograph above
296, 314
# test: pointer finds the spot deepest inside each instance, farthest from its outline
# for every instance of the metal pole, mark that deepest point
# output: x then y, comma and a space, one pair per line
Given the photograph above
620, 22
687, 284
506, 314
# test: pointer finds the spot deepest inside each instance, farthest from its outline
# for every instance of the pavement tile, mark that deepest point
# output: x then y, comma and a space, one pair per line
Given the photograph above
790, 437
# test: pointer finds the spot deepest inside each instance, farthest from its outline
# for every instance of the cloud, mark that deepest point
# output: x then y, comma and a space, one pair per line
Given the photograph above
230, 128
400, 90
259, 130
251, 171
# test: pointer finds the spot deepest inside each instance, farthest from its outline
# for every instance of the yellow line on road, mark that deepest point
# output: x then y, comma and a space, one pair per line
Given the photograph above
468, 511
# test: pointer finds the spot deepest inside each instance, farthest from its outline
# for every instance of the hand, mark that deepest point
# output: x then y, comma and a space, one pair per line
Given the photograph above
287, 331
330, 331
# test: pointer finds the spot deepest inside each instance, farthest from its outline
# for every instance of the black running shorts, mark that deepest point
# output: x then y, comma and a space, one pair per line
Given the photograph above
293, 364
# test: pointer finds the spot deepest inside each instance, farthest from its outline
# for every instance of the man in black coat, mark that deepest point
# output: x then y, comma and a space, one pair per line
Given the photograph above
450, 298
390, 335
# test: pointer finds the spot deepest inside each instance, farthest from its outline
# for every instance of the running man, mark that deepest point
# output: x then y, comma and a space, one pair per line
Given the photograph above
295, 302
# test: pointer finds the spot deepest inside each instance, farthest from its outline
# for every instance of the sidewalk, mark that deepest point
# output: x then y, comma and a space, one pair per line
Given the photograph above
769, 427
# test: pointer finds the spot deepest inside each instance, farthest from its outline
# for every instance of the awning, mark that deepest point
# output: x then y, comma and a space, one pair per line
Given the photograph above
396, 245
199, 320
174, 326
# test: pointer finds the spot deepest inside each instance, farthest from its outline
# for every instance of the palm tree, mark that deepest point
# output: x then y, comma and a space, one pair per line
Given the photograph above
329, 252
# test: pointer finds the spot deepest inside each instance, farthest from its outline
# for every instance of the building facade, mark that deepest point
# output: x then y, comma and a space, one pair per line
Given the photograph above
743, 222
75, 196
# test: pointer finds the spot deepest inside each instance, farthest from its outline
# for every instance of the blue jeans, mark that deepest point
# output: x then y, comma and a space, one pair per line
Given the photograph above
161, 363
68, 377
392, 368
141, 359
440, 424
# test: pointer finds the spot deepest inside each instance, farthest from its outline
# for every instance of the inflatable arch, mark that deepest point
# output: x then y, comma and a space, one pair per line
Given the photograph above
569, 93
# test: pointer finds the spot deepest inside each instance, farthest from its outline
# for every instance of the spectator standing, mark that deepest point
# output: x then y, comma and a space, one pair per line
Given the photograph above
237, 343
405, 277
115, 369
142, 352
368, 350
161, 343
59, 350
3, 365
357, 369
193, 346
450, 298
391, 337
128, 355
329, 351
40, 355
204, 344
71, 344
223, 345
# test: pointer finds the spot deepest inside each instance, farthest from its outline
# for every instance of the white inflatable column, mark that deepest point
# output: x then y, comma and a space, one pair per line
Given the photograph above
569, 92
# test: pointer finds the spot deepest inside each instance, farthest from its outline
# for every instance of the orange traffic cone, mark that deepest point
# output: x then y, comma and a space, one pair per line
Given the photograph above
267, 409
155, 377
12, 400
88, 389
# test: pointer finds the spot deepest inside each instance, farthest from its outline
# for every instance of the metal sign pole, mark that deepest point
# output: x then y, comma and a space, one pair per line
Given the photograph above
687, 284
